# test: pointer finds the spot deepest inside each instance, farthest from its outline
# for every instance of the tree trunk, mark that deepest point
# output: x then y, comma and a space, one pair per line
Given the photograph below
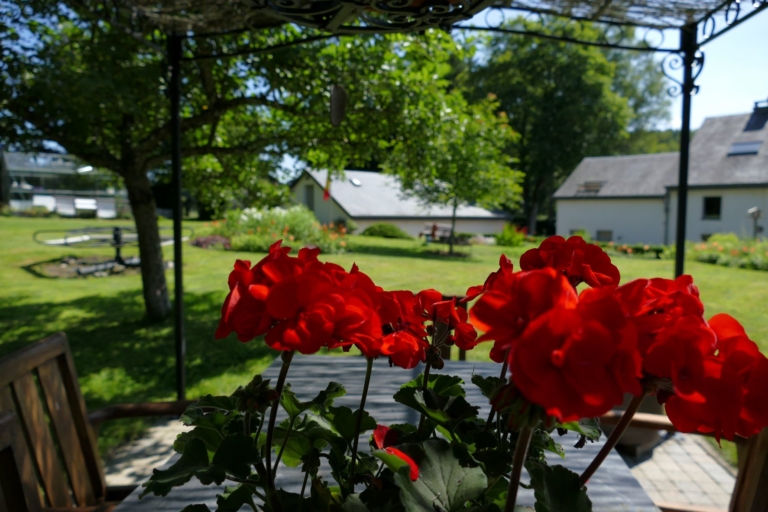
453, 225
156, 301
532, 214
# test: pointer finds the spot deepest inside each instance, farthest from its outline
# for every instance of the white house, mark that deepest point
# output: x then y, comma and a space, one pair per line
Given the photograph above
368, 197
633, 199
57, 182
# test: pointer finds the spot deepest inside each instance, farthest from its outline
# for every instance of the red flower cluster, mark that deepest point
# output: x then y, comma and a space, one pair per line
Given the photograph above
302, 304
578, 260
711, 376
576, 356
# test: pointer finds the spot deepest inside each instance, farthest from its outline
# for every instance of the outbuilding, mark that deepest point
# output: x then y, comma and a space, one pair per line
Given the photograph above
368, 197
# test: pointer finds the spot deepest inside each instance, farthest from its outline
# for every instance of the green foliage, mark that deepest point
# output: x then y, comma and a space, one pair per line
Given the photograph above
566, 101
730, 250
37, 211
5, 210
444, 483
510, 236
386, 230
464, 161
642, 142
253, 230
557, 489
583, 233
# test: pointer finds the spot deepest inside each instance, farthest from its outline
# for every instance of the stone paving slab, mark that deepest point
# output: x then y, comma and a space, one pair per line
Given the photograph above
685, 470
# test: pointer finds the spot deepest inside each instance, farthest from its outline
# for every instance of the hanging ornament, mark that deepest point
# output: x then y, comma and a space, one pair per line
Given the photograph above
338, 104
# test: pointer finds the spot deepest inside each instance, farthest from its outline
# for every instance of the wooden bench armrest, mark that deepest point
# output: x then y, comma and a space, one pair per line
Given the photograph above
144, 410
640, 420
652, 422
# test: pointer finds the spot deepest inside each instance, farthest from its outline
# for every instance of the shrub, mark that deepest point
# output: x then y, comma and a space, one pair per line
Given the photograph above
386, 230
37, 211
511, 236
5, 210
254, 230
583, 233
728, 250
349, 225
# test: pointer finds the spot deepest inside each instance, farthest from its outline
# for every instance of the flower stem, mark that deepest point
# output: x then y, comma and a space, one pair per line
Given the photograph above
358, 422
303, 488
502, 379
618, 430
282, 447
287, 356
518, 461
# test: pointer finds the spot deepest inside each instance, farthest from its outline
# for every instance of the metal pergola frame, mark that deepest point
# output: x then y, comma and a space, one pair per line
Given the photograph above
340, 18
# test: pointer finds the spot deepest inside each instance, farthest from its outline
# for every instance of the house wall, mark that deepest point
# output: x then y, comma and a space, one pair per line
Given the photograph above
415, 226
325, 211
733, 213
631, 221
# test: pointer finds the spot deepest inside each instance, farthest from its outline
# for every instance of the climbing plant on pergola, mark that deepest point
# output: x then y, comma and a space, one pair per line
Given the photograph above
639, 25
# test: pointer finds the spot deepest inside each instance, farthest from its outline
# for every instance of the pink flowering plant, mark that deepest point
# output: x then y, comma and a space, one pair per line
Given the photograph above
570, 341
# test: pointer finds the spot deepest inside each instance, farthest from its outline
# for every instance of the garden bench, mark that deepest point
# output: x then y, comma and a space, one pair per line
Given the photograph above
441, 234
46, 429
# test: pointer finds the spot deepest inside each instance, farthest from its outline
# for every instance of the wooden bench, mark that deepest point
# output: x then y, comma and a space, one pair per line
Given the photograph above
441, 234
40, 398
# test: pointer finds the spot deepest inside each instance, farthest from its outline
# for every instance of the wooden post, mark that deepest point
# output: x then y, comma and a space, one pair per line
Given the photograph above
751, 491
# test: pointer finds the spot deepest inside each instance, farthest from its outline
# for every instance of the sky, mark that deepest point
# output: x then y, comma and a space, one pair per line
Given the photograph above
735, 73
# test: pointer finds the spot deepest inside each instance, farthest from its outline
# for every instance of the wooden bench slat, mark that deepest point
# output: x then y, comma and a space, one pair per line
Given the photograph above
26, 359
18, 483
33, 420
64, 425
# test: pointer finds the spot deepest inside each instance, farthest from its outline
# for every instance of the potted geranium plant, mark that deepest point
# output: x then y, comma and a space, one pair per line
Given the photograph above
565, 356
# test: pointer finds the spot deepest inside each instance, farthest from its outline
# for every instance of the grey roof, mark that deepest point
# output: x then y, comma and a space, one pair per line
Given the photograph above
380, 196
651, 175
622, 176
46, 163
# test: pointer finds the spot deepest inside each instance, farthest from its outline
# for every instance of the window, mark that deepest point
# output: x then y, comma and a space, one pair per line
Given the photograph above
744, 148
604, 235
712, 207
309, 196
590, 188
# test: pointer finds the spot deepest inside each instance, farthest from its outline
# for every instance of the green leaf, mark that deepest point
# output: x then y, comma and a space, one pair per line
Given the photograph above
443, 410
487, 385
193, 461
445, 385
210, 437
542, 441
320, 403
557, 489
234, 498
443, 483
588, 427
309, 433
344, 420
225, 403
196, 508
236, 454
354, 504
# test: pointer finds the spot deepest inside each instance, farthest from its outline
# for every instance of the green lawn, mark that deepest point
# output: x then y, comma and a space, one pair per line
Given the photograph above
122, 358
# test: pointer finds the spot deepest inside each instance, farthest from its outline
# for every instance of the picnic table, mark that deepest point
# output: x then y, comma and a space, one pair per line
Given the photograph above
611, 489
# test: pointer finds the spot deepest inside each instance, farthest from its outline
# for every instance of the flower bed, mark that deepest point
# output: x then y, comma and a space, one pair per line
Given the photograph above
255, 230
729, 250
565, 357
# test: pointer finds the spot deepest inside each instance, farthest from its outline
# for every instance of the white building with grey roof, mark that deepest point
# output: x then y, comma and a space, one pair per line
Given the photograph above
368, 197
633, 199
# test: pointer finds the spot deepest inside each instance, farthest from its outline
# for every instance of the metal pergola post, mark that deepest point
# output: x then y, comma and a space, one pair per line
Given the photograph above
174, 93
689, 47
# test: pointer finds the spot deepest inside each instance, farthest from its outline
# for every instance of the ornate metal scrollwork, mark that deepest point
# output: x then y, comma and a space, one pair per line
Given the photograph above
675, 62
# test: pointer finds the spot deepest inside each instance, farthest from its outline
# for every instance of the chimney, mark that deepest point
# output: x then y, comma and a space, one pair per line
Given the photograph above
759, 117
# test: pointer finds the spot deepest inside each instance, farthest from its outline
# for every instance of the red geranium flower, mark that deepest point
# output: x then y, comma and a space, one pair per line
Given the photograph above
654, 304
578, 260
404, 333
384, 437
727, 397
495, 280
503, 312
578, 363
244, 309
